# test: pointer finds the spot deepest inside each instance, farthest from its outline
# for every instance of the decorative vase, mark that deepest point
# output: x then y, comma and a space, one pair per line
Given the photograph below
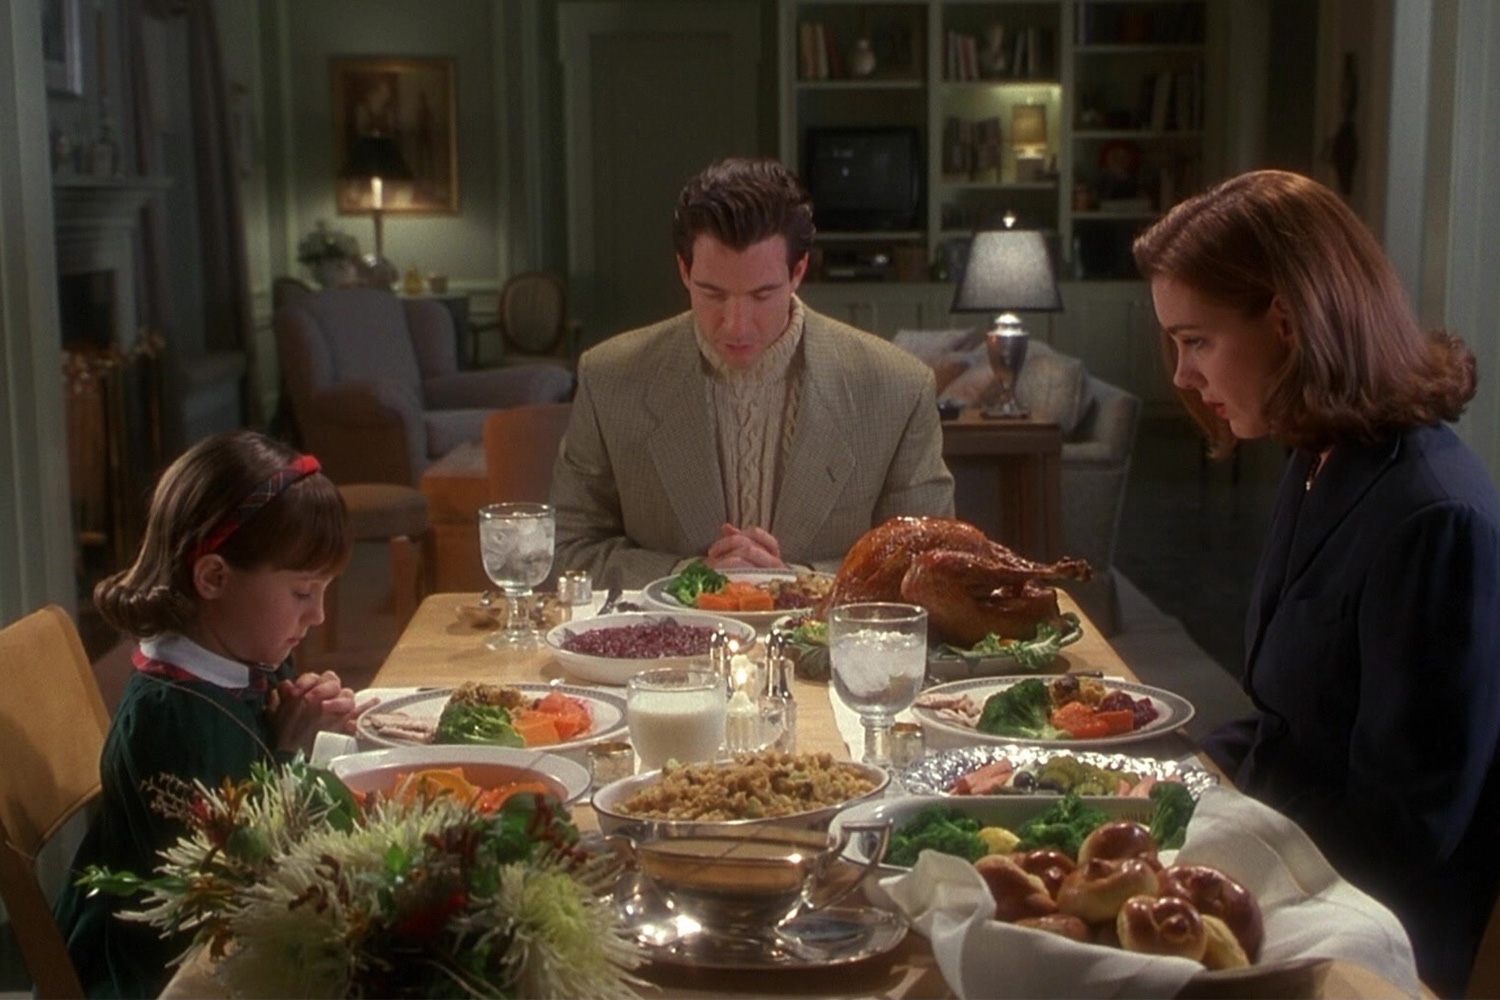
861, 58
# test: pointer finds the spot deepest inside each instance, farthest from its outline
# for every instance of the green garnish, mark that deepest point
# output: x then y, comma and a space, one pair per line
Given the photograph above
1174, 807
1020, 710
1029, 654
462, 722
1063, 826
936, 828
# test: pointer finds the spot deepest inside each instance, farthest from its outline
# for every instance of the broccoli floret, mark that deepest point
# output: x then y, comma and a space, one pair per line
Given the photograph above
1174, 807
468, 723
936, 828
1063, 826
696, 578
1020, 710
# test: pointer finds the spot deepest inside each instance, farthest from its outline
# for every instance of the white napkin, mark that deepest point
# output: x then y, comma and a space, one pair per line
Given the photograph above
1309, 913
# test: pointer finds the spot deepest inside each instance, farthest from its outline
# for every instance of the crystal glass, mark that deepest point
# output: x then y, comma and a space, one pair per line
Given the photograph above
515, 540
879, 656
1006, 345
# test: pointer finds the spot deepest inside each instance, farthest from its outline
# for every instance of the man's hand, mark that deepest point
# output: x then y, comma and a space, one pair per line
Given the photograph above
751, 548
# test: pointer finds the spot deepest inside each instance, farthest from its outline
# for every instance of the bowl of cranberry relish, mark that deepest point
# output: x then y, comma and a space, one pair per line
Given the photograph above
610, 649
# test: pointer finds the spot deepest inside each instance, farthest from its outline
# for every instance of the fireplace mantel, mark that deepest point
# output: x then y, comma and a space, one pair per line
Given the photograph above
84, 205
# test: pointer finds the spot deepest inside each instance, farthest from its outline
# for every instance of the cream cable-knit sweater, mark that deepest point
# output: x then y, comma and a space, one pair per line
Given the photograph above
755, 414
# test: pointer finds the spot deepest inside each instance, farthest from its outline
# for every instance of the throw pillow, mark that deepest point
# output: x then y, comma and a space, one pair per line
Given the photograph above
933, 346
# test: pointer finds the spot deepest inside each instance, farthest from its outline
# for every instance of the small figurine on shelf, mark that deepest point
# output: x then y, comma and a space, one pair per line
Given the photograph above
861, 57
993, 61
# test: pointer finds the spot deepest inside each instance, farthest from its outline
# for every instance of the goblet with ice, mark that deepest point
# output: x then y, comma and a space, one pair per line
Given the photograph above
878, 653
515, 540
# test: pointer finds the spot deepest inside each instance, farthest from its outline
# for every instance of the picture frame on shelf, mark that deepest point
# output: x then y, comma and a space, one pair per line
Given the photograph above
415, 101
62, 50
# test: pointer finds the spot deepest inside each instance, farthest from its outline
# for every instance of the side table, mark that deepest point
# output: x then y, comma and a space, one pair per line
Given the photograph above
1023, 461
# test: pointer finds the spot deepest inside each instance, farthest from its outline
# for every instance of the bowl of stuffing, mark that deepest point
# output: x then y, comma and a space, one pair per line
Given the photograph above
770, 788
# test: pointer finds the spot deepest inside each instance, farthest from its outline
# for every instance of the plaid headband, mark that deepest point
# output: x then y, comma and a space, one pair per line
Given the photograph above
273, 487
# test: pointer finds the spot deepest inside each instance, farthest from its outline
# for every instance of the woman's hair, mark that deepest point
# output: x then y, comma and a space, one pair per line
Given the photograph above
304, 528
741, 202
1358, 363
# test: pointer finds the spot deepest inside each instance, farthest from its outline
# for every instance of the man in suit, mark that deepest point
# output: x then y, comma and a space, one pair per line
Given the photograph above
749, 431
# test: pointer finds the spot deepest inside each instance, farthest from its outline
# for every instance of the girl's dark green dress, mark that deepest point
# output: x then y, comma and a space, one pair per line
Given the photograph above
167, 722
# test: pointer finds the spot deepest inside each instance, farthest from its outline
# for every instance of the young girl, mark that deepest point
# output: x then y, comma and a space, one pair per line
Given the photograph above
242, 539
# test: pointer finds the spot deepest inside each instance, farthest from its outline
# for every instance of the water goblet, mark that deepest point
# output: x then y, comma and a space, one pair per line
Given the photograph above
515, 540
878, 653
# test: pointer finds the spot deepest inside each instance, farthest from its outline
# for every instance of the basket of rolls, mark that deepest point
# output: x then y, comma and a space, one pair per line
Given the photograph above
1247, 906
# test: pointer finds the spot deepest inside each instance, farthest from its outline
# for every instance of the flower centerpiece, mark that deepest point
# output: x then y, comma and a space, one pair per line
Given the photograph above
296, 889
331, 254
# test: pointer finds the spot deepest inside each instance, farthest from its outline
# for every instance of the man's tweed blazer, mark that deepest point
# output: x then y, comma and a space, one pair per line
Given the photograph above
637, 484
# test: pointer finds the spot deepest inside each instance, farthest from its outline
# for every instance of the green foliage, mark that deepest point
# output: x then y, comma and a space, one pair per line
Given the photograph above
1020, 710
696, 578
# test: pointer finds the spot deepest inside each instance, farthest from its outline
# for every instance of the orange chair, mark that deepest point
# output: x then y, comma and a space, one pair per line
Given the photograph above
520, 445
50, 742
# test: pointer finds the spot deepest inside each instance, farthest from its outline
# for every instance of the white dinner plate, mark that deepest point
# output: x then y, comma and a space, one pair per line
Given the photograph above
606, 709
618, 670
1173, 712
486, 766
655, 595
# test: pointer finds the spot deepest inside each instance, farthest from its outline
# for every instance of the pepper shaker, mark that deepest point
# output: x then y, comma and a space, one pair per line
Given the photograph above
779, 687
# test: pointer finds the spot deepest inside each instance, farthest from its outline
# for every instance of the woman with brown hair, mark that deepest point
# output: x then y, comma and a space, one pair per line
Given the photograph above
1373, 632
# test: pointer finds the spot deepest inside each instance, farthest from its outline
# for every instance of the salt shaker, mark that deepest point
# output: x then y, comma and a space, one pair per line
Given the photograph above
779, 687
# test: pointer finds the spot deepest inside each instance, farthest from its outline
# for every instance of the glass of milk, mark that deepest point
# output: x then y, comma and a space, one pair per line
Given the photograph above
676, 714
878, 652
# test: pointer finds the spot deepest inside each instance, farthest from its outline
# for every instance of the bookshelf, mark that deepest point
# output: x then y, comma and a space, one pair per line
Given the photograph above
1083, 118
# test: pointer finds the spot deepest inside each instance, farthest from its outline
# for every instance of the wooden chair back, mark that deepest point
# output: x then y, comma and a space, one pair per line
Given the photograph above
520, 445
51, 735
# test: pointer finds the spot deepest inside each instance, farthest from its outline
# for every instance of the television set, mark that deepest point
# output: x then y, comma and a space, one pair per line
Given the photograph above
864, 179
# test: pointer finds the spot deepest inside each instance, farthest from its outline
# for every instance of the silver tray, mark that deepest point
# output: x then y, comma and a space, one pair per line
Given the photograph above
936, 773
835, 936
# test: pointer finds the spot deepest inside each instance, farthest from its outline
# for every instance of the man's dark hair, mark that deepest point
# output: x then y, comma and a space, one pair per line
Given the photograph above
741, 202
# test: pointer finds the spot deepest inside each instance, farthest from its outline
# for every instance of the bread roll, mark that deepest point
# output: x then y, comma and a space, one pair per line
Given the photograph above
1018, 894
1059, 923
1162, 925
1218, 895
1048, 864
1223, 950
1121, 838
1096, 891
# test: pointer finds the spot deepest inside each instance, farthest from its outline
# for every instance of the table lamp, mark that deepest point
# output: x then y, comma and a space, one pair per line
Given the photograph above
1007, 270
1028, 132
376, 158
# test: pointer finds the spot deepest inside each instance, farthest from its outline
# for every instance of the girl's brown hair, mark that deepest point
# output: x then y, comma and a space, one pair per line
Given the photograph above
305, 528
1358, 364
741, 202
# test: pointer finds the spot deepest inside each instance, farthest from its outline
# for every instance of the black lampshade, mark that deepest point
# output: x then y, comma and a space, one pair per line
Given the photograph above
1007, 270
375, 156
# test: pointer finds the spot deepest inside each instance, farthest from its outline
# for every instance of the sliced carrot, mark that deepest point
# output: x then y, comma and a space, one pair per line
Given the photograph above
537, 729
1079, 721
571, 715
1121, 721
493, 798
718, 602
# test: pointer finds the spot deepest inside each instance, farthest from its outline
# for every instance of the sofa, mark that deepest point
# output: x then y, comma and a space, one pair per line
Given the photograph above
376, 389
1098, 421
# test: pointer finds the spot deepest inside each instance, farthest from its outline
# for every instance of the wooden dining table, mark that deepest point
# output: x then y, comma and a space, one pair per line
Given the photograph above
440, 649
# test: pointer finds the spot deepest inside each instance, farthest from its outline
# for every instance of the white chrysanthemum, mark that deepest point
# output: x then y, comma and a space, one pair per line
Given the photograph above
281, 952
565, 941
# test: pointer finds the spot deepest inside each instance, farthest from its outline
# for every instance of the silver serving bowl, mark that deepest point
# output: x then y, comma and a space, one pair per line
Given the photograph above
608, 799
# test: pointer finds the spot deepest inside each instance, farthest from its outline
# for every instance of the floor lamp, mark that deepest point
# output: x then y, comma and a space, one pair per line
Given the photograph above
377, 159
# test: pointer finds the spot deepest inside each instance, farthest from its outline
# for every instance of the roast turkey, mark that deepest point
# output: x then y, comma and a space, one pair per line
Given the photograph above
971, 586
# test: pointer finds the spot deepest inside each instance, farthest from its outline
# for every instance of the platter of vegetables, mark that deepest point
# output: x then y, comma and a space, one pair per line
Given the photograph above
977, 827
1068, 710
754, 596
557, 717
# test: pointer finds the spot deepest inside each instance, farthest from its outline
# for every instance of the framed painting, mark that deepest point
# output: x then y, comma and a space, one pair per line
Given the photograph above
62, 56
414, 102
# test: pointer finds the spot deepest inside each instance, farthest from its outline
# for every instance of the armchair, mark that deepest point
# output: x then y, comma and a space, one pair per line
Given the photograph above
375, 385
